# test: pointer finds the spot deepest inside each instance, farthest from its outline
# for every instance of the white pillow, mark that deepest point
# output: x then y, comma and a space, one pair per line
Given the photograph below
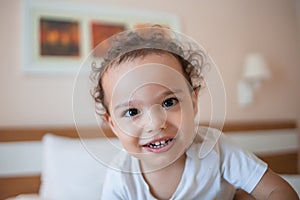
70, 171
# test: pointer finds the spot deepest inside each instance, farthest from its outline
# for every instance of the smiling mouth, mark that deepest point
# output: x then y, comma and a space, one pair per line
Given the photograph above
158, 144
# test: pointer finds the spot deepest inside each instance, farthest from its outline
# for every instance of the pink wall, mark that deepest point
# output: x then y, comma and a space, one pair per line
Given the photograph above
227, 29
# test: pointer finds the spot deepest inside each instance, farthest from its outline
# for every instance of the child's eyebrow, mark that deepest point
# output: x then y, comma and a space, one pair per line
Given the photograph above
165, 93
169, 92
125, 104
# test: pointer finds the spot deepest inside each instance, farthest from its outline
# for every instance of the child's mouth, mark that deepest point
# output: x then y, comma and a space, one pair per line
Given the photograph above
158, 146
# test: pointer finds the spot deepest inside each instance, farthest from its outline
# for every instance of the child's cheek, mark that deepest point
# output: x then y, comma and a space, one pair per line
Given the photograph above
187, 118
128, 142
127, 128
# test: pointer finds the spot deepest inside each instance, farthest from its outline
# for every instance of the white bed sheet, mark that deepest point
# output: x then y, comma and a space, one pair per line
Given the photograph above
26, 197
294, 180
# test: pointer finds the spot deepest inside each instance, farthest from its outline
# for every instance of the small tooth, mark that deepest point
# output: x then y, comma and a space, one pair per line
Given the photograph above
159, 144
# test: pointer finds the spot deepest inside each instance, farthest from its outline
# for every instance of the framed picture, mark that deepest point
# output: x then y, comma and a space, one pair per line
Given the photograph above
57, 37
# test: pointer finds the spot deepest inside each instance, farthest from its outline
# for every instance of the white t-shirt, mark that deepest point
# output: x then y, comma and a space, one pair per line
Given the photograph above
214, 167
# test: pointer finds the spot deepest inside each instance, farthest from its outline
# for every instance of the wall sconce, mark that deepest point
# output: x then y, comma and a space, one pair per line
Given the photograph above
255, 70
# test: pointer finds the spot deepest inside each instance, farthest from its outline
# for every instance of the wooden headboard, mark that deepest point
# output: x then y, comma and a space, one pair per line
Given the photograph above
10, 186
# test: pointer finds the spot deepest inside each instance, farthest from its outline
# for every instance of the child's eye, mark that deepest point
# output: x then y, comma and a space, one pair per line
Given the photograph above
170, 102
131, 112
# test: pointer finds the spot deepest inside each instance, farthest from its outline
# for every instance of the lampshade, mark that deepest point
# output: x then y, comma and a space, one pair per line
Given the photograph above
255, 68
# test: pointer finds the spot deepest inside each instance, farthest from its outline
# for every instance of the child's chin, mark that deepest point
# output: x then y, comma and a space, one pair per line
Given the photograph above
159, 161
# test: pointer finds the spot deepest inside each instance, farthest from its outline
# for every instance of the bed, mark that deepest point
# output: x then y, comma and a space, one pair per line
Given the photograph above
40, 161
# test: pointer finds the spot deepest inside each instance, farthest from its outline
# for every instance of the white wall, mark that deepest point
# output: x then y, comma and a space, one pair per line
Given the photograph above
227, 29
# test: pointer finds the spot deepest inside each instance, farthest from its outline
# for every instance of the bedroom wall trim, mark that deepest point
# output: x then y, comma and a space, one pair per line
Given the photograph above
14, 134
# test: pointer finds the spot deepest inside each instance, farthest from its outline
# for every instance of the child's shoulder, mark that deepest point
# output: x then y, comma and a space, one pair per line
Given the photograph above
208, 140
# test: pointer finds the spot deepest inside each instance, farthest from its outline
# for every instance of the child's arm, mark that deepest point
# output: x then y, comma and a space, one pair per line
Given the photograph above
273, 187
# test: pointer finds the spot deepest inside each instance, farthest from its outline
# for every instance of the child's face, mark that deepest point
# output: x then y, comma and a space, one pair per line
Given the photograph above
151, 108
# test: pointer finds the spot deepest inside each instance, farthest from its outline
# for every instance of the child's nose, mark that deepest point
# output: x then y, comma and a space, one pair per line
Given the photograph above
155, 119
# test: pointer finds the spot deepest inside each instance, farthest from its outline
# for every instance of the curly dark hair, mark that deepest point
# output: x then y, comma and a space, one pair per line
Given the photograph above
132, 44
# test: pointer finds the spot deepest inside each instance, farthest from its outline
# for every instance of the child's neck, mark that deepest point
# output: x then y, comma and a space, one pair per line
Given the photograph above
164, 182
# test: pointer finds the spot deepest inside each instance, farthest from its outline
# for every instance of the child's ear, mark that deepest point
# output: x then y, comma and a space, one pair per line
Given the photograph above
107, 119
195, 100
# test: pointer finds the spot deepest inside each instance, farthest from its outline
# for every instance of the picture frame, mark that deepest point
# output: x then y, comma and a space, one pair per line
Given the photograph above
57, 37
